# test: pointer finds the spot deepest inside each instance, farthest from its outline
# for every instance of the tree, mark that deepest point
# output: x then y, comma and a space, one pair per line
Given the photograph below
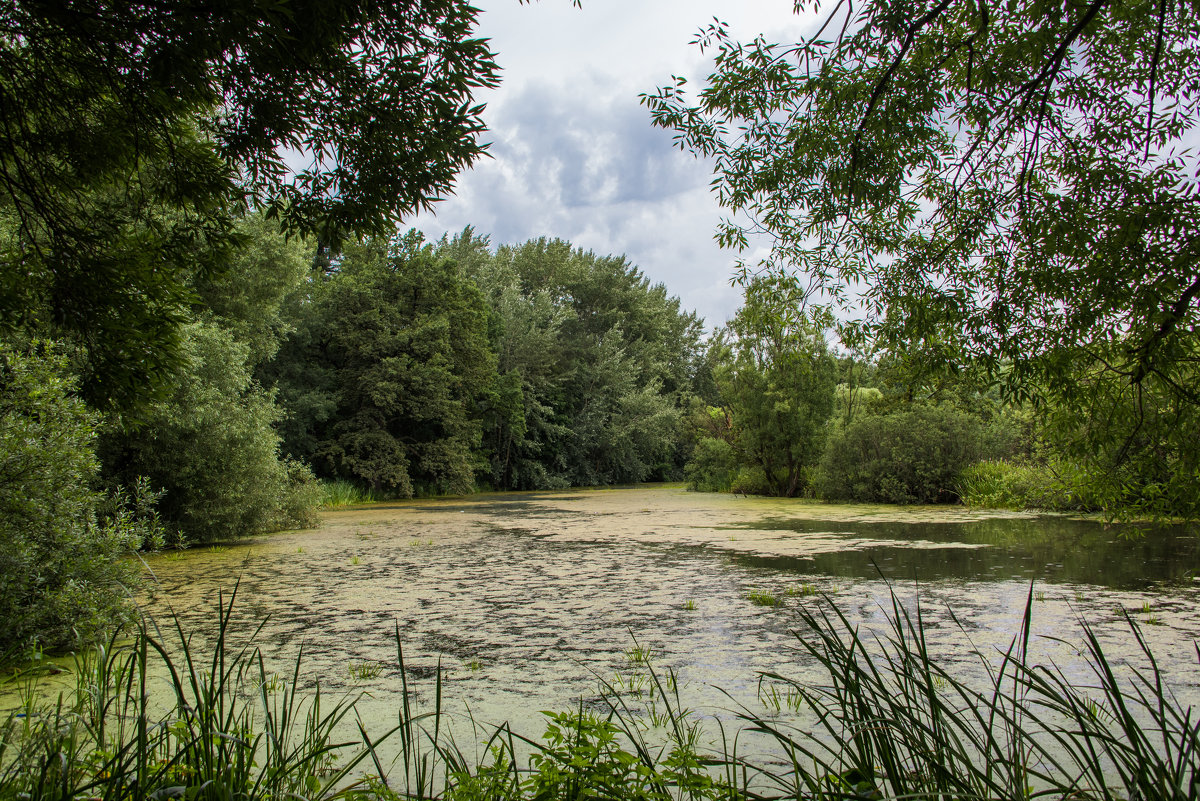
210, 446
595, 361
778, 383
388, 369
132, 135
62, 578
1006, 185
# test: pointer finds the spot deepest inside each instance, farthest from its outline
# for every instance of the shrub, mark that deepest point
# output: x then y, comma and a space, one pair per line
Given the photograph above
1000, 484
712, 466
910, 456
62, 579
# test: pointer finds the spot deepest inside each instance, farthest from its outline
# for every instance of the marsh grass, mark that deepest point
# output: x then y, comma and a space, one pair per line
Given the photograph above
887, 721
365, 671
763, 598
233, 731
346, 493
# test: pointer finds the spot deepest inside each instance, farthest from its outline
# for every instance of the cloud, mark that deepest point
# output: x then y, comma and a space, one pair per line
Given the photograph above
587, 166
573, 153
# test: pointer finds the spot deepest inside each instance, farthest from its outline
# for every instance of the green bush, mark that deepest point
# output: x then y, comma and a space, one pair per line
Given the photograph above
751, 481
909, 456
712, 466
62, 578
1015, 485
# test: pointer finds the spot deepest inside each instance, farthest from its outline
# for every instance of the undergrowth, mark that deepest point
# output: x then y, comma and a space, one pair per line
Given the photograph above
888, 721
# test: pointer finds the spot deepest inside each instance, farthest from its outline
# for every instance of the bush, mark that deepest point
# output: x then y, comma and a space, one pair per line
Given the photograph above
1012, 485
62, 578
712, 466
909, 456
751, 481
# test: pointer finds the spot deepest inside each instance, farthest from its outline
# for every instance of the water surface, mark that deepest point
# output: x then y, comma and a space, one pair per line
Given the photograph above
527, 601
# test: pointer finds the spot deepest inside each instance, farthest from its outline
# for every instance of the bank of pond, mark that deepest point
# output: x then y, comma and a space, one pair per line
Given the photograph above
640, 643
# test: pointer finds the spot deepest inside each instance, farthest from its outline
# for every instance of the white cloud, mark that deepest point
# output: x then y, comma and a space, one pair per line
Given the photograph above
574, 155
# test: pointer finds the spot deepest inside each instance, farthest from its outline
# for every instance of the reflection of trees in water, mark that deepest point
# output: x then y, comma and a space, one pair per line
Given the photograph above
1056, 550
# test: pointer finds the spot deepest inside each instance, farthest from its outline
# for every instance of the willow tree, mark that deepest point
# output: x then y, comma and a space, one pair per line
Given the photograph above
1001, 185
131, 136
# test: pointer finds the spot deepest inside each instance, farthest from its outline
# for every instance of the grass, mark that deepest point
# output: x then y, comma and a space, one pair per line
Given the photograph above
689, 605
886, 721
1054, 486
763, 598
346, 493
235, 732
640, 655
365, 671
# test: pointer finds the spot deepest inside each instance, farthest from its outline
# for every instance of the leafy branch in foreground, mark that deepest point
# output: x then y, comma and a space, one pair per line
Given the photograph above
1005, 187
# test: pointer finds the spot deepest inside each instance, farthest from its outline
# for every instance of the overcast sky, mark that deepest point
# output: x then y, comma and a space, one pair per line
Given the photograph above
573, 153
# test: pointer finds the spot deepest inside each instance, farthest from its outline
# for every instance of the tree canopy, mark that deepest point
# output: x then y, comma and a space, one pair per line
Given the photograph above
1002, 185
1000, 180
131, 136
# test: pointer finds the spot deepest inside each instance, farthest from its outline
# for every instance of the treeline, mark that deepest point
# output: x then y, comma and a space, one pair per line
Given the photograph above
423, 368
403, 366
787, 415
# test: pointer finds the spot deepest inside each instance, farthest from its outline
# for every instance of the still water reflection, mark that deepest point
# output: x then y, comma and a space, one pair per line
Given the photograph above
1046, 549
526, 601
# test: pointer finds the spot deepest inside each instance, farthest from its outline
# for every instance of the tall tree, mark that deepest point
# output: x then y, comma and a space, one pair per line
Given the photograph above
777, 381
597, 363
1008, 185
388, 370
130, 135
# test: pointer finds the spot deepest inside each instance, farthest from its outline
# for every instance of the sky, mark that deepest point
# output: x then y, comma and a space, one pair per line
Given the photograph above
573, 153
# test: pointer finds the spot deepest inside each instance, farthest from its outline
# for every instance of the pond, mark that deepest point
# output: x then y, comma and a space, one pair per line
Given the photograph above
528, 601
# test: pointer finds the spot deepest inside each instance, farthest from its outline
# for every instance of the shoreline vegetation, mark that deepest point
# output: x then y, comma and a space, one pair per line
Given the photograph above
886, 721
194, 336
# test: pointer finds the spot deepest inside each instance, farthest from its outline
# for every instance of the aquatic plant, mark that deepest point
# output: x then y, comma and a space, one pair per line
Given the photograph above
638, 654
887, 722
365, 671
763, 598
340, 492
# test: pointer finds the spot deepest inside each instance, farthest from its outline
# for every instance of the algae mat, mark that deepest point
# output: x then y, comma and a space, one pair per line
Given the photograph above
528, 601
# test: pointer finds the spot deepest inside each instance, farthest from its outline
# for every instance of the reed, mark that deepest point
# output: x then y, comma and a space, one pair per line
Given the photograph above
340, 492
887, 721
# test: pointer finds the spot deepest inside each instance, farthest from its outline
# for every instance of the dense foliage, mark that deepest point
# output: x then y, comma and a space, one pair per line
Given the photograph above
1007, 187
419, 368
133, 137
595, 364
387, 371
912, 455
62, 578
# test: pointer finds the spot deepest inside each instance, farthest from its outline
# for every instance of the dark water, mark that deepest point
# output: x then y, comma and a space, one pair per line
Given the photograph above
1048, 549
